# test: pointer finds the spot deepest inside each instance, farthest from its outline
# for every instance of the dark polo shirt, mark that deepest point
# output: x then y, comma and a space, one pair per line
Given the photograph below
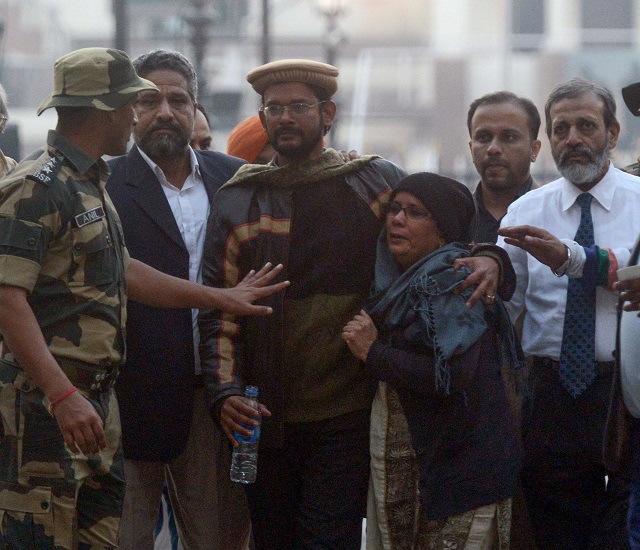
486, 226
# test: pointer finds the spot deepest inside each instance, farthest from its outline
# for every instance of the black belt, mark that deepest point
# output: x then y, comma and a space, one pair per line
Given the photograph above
84, 376
87, 377
602, 367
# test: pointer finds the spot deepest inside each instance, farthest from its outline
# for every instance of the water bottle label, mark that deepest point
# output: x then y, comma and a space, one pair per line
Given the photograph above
254, 436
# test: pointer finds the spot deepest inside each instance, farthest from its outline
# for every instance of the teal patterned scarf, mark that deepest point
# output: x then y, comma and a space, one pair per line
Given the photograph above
421, 302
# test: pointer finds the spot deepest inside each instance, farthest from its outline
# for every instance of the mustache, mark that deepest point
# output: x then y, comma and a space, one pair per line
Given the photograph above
287, 131
580, 149
495, 162
169, 125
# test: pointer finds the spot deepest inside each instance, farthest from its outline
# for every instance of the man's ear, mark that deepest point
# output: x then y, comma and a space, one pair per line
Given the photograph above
614, 132
263, 119
329, 112
535, 149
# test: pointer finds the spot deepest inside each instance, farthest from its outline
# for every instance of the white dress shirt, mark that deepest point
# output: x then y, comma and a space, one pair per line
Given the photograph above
539, 293
190, 207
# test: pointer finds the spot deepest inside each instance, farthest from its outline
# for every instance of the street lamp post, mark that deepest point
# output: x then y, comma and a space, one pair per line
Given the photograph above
266, 32
200, 19
121, 17
332, 10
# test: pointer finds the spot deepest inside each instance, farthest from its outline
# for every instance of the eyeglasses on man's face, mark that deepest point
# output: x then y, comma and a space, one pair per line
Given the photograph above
411, 212
295, 109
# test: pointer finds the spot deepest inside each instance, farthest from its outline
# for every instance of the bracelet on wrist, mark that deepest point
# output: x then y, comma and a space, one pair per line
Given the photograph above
58, 400
560, 271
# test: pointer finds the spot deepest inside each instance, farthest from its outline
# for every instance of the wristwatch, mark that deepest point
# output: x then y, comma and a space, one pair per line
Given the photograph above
560, 272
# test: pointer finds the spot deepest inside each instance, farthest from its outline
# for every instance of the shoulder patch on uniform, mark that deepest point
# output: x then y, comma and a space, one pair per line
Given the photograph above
47, 173
89, 216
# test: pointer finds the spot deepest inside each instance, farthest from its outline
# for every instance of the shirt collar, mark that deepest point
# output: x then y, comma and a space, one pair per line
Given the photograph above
195, 165
525, 188
76, 156
603, 191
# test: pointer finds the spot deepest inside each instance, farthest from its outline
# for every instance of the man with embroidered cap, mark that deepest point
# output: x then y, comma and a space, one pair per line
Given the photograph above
320, 215
64, 283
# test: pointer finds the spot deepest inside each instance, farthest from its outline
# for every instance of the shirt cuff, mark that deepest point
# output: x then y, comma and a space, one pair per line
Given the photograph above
18, 271
578, 259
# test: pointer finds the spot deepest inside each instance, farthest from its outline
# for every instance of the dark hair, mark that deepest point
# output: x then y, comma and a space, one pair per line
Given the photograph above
168, 60
497, 98
576, 87
204, 112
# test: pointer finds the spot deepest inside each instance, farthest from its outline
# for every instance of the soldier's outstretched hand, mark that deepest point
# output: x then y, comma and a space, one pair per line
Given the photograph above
253, 287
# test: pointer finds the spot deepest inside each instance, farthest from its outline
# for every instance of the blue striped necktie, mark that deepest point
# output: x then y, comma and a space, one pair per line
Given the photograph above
577, 357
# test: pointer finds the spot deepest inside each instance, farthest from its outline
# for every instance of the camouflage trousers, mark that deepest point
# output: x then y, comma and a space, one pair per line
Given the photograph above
51, 497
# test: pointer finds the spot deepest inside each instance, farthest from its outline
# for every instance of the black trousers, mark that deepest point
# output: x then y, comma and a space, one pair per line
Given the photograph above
571, 503
312, 493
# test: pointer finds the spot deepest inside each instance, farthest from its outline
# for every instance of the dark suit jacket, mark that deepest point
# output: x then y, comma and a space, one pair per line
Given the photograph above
155, 387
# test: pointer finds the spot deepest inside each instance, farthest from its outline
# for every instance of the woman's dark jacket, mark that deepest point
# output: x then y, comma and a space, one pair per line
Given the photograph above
465, 440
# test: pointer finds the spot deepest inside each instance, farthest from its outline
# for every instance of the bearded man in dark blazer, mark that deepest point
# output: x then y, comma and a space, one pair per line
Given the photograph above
162, 190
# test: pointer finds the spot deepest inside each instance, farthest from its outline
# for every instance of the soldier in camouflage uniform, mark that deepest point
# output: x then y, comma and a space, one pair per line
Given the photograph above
64, 278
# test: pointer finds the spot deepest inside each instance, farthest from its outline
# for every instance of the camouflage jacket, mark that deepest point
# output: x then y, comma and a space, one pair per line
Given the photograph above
61, 240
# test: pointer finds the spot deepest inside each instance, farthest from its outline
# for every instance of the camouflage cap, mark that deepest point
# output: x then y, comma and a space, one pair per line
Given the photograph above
103, 78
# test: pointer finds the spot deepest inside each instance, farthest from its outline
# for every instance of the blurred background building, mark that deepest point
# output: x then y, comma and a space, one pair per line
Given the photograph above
408, 68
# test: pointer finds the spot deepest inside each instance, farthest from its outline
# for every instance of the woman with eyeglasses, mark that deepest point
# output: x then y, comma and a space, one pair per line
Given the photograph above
444, 452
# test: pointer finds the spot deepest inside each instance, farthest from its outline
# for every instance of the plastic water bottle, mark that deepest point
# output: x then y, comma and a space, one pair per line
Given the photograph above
244, 462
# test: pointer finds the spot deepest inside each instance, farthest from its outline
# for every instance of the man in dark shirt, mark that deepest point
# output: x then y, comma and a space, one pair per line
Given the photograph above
503, 131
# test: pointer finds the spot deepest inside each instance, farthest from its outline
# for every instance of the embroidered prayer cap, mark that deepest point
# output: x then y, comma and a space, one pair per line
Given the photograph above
631, 96
449, 202
103, 78
247, 139
306, 71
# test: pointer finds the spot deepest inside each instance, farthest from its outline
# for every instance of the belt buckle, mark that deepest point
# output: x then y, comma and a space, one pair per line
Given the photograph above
103, 380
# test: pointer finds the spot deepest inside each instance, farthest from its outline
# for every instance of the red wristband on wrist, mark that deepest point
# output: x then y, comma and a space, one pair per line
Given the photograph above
57, 400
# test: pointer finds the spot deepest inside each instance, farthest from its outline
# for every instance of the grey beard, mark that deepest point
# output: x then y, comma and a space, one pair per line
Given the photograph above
581, 174
164, 147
